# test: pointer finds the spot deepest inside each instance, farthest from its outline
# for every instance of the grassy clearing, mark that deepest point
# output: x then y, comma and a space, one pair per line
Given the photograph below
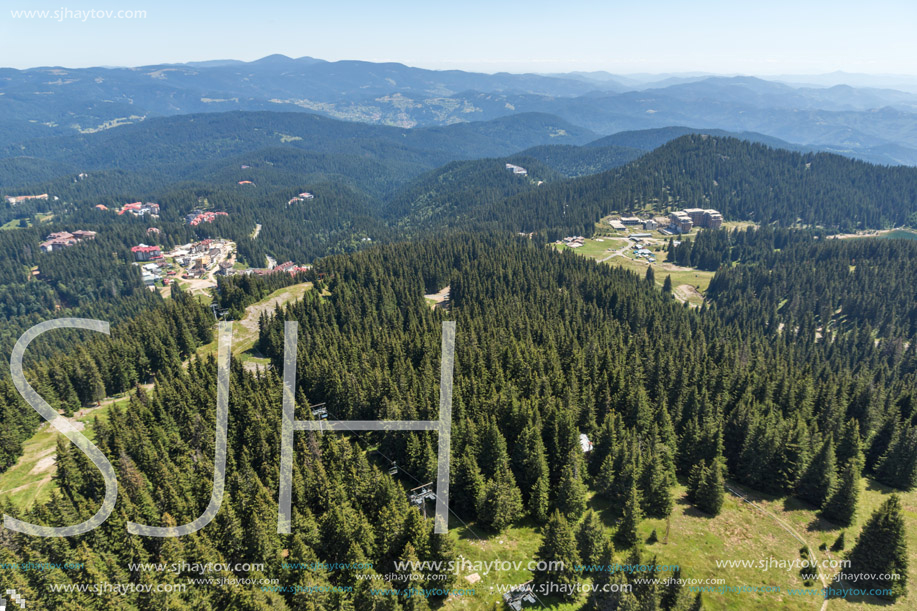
817, 531
245, 331
30, 480
695, 543
14, 224
693, 283
518, 544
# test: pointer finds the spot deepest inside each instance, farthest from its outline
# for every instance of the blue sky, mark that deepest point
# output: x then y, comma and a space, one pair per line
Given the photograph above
623, 37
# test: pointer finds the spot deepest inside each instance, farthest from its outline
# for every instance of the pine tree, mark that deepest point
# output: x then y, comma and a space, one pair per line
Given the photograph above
667, 284
898, 466
842, 504
558, 554
605, 480
657, 497
710, 492
820, 477
695, 478
650, 277
571, 494
501, 503
590, 538
627, 535
850, 446
881, 549
675, 597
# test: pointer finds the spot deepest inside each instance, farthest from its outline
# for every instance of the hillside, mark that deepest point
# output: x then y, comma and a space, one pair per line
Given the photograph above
574, 161
649, 139
454, 195
744, 181
184, 139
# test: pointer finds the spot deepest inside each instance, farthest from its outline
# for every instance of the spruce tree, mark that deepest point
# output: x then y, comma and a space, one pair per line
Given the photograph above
820, 477
850, 446
840, 543
881, 549
571, 494
531, 465
558, 555
590, 538
468, 484
627, 535
841, 506
657, 497
710, 492
501, 503
605, 481
793, 456
898, 467
675, 596
698, 474
883, 439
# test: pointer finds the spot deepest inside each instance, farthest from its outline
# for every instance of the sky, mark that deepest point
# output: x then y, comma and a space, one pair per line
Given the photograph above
653, 36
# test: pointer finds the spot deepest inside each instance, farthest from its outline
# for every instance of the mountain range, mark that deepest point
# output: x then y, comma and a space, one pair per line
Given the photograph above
872, 123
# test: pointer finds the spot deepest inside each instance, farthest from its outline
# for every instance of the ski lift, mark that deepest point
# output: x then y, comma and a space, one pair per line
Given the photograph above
393, 470
421, 494
319, 411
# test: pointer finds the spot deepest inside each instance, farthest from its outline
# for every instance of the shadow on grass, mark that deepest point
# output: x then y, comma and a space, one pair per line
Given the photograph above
876, 486
874, 601
692, 511
608, 511
792, 503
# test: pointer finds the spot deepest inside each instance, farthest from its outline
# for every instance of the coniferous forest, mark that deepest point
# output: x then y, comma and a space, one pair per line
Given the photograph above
594, 416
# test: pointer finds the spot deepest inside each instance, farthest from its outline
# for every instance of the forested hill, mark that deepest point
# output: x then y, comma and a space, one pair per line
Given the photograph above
183, 140
649, 139
573, 161
745, 181
458, 193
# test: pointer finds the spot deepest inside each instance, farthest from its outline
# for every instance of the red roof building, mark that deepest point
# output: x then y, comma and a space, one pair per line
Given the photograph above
146, 253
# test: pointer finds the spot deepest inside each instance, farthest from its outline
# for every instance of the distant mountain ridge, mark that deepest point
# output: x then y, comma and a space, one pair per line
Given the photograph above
872, 123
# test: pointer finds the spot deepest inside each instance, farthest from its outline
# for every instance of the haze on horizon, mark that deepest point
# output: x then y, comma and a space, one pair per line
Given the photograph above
664, 36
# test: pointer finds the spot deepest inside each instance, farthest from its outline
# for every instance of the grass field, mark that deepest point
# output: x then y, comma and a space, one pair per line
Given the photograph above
245, 331
30, 480
695, 543
14, 224
689, 284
